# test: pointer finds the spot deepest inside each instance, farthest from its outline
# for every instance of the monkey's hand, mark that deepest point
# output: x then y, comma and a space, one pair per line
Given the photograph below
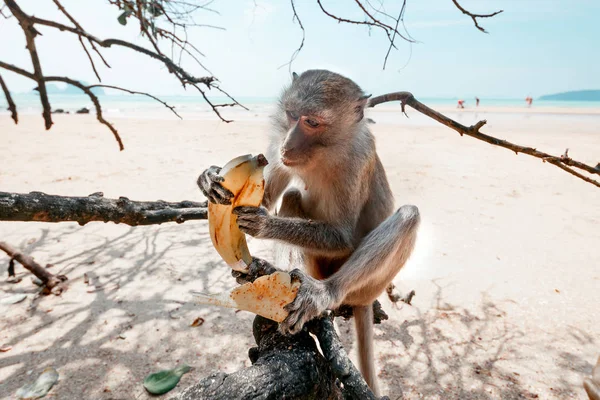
313, 298
209, 183
252, 220
257, 268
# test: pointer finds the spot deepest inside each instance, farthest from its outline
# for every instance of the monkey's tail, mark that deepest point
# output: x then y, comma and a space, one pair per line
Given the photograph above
363, 320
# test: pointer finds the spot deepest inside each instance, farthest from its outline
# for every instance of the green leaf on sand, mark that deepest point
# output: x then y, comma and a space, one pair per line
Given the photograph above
163, 381
40, 387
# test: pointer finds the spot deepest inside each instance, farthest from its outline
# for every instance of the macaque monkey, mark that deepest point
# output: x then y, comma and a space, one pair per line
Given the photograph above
340, 215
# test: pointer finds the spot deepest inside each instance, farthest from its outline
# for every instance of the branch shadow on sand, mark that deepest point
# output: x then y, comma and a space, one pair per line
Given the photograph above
449, 352
127, 317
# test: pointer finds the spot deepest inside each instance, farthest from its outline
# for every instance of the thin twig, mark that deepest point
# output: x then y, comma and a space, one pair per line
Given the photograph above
563, 162
164, 103
11, 104
400, 16
475, 16
297, 51
74, 21
375, 23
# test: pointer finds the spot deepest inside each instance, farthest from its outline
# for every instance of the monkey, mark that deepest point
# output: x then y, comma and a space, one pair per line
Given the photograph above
341, 217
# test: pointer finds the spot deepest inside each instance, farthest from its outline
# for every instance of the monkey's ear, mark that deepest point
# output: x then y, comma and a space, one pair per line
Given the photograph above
294, 76
361, 105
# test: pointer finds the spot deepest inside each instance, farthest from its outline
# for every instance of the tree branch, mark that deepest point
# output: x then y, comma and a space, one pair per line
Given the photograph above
164, 103
41, 207
282, 367
11, 104
30, 34
562, 162
87, 90
475, 16
49, 280
391, 32
334, 352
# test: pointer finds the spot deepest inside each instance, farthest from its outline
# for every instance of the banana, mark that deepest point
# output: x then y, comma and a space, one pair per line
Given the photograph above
243, 176
266, 296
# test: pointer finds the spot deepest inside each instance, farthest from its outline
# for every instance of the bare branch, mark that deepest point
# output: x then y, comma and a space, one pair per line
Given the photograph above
297, 51
74, 21
336, 355
475, 16
400, 17
11, 104
164, 103
564, 162
41, 207
73, 82
49, 280
30, 34
390, 31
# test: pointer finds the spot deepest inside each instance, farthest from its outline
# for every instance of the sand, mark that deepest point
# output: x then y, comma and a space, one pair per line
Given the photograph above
506, 269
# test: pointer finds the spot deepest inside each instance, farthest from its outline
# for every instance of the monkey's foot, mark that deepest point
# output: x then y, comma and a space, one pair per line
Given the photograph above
313, 298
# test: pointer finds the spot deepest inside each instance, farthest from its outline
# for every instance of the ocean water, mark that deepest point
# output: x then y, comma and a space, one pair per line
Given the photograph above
189, 106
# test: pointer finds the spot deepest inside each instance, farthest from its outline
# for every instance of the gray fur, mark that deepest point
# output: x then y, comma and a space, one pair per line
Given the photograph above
342, 218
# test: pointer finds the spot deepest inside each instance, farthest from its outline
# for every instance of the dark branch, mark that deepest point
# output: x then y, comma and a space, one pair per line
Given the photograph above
390, 31
282, 367
30, 34
11, 104
49, 280
563, 162
74, 22
334, 352
475, 16
37, 206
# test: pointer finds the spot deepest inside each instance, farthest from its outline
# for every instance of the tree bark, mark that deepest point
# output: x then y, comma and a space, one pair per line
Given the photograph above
48, 279
288, 367
41, 207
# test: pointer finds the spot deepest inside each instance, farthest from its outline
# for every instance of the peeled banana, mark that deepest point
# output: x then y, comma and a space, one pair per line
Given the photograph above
266, 296
243, 176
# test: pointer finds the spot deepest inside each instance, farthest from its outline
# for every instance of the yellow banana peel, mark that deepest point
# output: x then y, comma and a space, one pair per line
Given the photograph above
266, 296
243, 176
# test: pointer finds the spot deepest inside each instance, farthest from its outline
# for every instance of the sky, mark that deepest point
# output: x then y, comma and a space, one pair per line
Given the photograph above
534, 47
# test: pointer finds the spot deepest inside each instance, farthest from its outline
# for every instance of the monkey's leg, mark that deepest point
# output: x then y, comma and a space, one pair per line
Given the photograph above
364, 276
377, 259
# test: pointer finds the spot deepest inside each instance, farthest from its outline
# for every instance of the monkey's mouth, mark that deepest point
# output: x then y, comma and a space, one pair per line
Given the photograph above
290, 162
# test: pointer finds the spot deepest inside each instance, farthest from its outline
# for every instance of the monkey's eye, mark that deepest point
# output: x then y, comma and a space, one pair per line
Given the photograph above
293, 115
312, 123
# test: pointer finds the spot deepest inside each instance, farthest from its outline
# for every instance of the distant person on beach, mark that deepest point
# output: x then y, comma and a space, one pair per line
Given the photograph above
528, 100
476, 101
460, 104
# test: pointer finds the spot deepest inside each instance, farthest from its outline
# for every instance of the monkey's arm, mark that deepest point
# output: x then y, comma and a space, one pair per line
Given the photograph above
314, 236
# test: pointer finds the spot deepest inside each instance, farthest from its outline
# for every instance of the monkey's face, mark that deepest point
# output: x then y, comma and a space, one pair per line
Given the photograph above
306, 135
318, 112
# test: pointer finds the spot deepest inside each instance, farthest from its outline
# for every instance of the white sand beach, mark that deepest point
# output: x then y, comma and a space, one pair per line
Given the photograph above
506, 270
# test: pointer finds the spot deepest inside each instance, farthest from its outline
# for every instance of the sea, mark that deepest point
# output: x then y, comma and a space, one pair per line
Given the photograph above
190, 106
